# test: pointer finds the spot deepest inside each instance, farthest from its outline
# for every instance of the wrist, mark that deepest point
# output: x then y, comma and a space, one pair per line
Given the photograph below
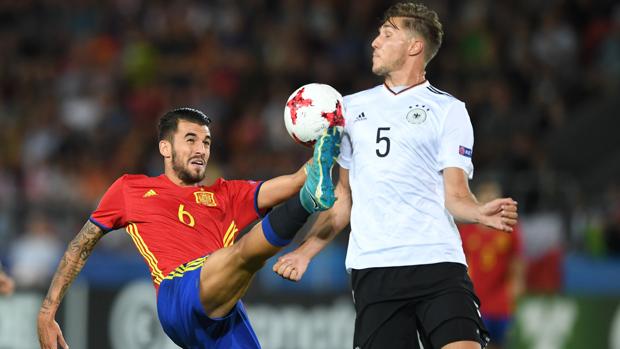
309, 248
479, 217
46, 315
48, 309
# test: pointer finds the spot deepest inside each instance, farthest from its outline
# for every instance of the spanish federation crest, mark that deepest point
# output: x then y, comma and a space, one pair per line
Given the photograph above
417, 115
205, 198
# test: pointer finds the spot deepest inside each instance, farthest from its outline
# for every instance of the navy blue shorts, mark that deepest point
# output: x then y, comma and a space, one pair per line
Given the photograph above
184, 320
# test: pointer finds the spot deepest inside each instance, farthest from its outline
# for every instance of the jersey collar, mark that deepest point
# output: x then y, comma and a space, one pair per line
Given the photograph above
422, 84
167, 181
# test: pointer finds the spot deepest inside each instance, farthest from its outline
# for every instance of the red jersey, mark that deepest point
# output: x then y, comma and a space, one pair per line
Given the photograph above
172, 225
489, 254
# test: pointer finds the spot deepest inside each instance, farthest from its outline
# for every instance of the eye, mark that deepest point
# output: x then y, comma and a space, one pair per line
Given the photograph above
206, 143
190, 140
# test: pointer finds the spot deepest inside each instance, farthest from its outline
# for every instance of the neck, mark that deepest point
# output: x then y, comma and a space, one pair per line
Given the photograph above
405, 78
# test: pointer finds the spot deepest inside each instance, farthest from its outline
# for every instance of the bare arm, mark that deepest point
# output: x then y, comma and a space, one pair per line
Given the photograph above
71, 264
500, 214
329, 223
277, 190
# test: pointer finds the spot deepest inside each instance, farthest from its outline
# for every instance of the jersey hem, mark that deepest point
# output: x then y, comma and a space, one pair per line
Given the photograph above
403, 264
100, 225
469, 169
344, 164
271, 235
258, 212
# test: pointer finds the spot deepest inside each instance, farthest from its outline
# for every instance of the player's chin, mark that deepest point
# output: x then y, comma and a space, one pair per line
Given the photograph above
200, 174
197, 170
196, 174
379, 70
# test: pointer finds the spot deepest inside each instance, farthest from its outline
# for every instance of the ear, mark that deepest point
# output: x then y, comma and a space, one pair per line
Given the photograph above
416, 47
165, 148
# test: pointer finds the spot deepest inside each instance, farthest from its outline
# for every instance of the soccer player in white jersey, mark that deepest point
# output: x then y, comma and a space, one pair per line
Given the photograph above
404, 167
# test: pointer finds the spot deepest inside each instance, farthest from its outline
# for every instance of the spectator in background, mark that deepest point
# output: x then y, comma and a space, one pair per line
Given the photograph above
7, 285
35, 254
496, 268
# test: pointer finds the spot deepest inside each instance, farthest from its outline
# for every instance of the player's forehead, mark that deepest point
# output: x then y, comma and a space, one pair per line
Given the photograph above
187, 128
393, 24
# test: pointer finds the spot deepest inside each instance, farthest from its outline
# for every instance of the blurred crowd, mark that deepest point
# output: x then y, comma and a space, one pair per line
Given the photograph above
82, 83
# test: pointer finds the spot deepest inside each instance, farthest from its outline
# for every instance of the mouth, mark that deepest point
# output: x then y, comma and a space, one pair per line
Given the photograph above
198, 162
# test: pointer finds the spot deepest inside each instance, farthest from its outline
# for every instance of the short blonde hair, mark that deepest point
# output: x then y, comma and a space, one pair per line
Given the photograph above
421, 20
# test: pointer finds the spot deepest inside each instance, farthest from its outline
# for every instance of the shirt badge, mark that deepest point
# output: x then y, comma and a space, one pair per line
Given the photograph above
466, 152
417, 114
205, 198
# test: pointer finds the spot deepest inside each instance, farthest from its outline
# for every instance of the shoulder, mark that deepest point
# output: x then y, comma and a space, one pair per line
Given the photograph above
441, 99
233, 186
223, 184
440, 96
355, 102
138, 181
135, 177
361, 96
130, 179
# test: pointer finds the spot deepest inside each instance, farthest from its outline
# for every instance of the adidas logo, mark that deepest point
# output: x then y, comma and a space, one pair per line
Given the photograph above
360, 117
149, 193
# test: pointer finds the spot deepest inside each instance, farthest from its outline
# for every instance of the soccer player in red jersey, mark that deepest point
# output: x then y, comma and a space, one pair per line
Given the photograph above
496, 268
186, 233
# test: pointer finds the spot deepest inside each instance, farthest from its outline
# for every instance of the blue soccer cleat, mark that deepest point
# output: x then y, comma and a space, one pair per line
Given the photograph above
317, 194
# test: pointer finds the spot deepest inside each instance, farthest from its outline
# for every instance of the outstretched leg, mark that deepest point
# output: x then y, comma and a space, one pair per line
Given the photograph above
227, 273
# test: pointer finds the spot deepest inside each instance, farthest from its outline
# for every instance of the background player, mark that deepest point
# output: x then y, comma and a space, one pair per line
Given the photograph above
7, 285
185, 232
405, 163
496, 268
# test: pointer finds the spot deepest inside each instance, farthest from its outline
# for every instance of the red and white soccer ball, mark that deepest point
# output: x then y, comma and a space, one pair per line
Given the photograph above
310, 110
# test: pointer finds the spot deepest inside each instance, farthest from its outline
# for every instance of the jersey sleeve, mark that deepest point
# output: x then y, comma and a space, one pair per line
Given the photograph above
110, 213
346, 151
244, 196
457, 140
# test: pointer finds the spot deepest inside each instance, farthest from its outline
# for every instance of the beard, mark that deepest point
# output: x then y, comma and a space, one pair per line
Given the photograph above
386, 68
184, 174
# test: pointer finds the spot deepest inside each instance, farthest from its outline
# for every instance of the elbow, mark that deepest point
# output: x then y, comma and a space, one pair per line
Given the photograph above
340, 216
450, 204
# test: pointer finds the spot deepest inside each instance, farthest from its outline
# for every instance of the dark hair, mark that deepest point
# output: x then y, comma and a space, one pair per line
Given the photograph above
168, 122
421, 20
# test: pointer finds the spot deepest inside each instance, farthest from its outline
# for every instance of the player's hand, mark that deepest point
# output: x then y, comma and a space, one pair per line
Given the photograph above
500, 214
7, 285
50, 334
291, 266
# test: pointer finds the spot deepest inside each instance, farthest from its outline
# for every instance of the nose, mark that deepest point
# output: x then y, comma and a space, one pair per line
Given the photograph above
201, 148
376, 43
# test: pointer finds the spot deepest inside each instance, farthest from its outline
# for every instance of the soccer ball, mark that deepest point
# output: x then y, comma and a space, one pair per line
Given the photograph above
310, 110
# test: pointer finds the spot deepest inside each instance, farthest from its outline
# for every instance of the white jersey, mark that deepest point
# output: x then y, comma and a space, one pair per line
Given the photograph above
395, 146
